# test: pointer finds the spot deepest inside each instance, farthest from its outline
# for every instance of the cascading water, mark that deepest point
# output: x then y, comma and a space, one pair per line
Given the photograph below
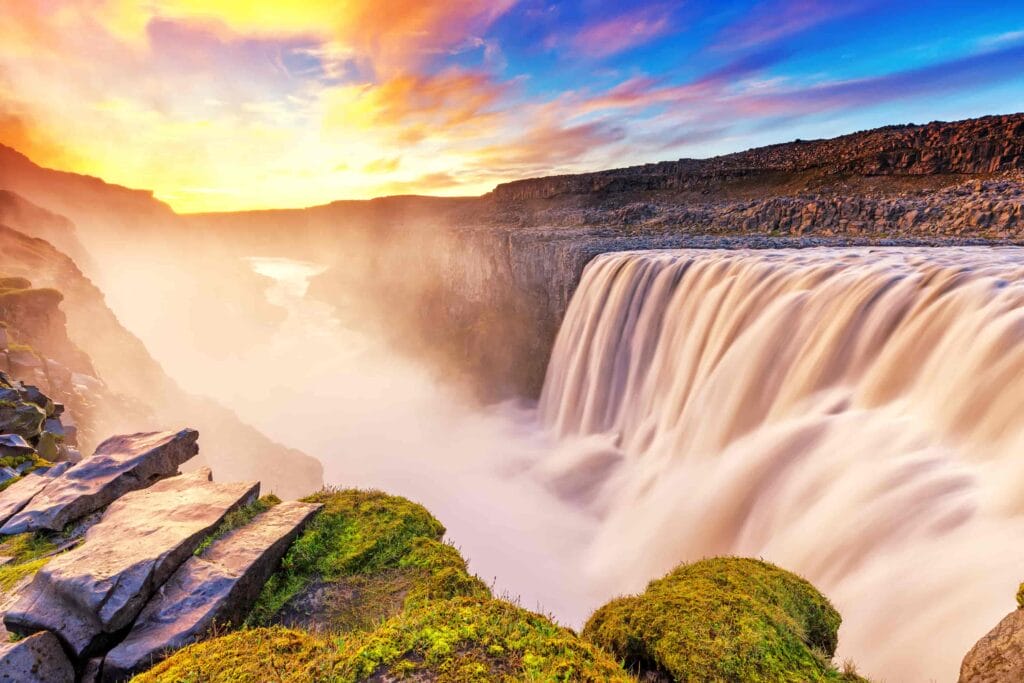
854, 415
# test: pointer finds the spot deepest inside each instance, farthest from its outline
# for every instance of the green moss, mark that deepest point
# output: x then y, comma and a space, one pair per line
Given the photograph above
474, 640
238, 518
724, 619
1020, 596
357, 532
441, 574
458, 640
250, 656
28, 553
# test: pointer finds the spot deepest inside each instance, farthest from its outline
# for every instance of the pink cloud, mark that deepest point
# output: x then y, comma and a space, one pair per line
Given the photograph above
621, 33
777, 19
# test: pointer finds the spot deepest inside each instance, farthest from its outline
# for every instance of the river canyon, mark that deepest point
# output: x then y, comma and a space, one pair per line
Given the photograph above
846, 412
592, 379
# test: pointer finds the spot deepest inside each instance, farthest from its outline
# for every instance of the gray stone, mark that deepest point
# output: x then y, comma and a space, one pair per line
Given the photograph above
88, 595
32, 394
13, 445
999, 656
218, 587
17, 495
8, 473
119, 465
54, 426
23, 419
38, 659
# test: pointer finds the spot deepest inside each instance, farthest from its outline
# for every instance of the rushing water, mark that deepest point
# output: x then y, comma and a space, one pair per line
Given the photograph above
852, 415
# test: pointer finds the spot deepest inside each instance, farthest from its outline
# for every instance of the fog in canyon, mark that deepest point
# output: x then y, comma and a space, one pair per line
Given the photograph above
850, 415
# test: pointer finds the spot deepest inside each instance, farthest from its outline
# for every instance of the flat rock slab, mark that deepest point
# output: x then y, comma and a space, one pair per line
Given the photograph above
37, 659
119, 465
999, 656
88, 595
219, 587
17, 495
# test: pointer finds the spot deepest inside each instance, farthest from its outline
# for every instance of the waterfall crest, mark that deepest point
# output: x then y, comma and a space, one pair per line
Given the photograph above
851, 414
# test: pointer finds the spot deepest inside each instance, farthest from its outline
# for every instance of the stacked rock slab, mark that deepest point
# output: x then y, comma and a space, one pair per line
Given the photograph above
217, 587
119, 465
38, 659
17, 495
89, 595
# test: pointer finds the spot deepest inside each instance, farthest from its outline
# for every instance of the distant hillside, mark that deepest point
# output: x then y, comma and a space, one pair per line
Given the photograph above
983, 146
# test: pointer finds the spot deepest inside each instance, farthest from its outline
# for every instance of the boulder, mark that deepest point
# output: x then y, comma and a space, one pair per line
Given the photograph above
23, 419
218, 587
119, 465
14, 445
17, 495
999, 656
48, 446
8, 473
54, 426
38, 659
32, 394
88, 595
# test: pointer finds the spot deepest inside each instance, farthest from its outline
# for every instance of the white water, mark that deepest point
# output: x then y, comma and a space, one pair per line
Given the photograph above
378, 420
852, 415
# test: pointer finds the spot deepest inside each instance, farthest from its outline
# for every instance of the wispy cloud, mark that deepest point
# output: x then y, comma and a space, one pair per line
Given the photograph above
773, 20
622, 32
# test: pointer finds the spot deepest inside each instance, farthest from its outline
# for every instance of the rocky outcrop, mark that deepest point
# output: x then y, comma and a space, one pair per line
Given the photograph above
120, 464
36, 659
113, 383
999, 656
16, 496
32, 430
86, 596
986, 145
217, 587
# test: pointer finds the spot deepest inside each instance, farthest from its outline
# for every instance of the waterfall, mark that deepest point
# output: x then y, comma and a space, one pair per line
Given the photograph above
854, 415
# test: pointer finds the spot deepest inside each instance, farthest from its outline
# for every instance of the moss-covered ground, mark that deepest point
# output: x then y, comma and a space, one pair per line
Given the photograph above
378, 595
29, 552
449, 641
365, 548
724, 619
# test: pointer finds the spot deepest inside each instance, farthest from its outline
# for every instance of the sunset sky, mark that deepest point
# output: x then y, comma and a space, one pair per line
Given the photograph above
231, 104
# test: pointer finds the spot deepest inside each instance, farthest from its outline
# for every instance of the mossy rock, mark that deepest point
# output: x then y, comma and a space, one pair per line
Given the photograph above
23, 419
459, 640
364, 548
723, 619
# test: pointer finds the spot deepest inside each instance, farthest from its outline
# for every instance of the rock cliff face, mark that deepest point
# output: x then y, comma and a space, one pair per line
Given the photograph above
479, 285
987, 145
61, 329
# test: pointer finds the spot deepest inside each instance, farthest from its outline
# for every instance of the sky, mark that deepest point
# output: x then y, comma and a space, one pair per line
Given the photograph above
222, 105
